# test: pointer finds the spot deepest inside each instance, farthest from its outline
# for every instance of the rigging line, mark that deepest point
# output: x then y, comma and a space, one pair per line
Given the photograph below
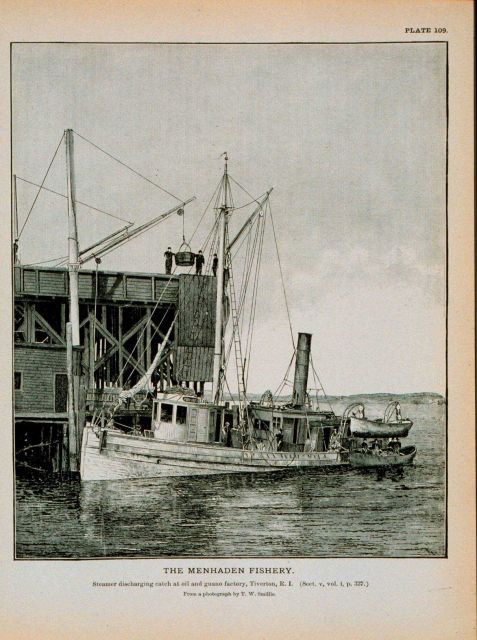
143, 330
235, 329
245, 190
249, 265
76, 201
141, 334
255, 292
255, 257
125, 239
282, 383
205, 210
248, 268
242, 240
158, 325
34, 264
42, 183
212, 250
281, 277
320, 383
249, 203
247, 256
128, 167
161, 320
160, 297
228, 388
252, 299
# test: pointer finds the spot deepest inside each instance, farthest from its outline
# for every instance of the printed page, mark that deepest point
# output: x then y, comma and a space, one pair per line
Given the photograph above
238, 380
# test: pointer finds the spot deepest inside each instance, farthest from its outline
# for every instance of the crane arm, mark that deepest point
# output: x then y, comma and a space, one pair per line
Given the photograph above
125, 235
250, 219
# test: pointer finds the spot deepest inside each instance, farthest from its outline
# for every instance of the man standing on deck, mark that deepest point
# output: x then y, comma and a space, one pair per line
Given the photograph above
215, 264
168, 256
199, 262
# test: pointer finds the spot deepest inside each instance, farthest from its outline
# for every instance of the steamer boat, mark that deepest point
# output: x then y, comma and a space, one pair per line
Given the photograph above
168, 423
187, 433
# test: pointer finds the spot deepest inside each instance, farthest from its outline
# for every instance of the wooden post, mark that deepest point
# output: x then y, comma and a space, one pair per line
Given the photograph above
104, 321
162, 376
73, 251
148, 339
63, 319
168, 371
92, 340
30, 321
50, 443
64, 449
219, 306
120, 350
72, 444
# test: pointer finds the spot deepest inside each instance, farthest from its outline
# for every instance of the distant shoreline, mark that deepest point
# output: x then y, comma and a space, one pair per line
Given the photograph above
423, 395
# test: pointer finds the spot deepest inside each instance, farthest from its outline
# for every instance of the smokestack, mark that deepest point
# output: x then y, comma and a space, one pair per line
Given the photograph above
301, 369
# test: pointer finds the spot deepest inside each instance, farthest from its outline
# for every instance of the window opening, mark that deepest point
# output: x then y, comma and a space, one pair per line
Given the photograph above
166, 412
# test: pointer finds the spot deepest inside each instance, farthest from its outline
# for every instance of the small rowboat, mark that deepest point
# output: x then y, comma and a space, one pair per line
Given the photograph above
368, 459
365, 428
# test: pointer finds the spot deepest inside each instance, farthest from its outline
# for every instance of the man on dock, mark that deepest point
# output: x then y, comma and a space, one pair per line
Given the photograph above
168, 256
199, 263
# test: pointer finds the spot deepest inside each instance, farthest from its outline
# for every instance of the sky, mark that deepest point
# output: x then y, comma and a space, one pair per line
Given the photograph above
351, 137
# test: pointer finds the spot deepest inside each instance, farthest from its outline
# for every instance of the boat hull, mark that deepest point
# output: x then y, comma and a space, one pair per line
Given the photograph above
364, 428
113, 455
360, 459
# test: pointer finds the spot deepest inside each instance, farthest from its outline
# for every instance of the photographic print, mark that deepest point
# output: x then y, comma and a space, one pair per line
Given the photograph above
230, 299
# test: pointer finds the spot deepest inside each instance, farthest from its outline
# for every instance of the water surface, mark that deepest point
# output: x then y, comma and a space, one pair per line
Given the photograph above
312, 513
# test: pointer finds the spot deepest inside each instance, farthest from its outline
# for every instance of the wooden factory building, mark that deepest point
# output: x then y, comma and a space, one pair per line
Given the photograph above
124, 318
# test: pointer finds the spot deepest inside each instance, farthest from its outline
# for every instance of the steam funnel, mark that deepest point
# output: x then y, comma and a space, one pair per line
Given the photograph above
301, 369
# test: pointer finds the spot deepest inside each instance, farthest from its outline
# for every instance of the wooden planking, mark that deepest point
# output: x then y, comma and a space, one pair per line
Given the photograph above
166, 290
52, 283
115, 286
139, 288
111, 286
29, 281
196, 319
194, 363
86, 285
38, 366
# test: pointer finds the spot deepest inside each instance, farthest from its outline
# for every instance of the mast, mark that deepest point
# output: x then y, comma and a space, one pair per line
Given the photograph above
219, 305
73, 251
15, 219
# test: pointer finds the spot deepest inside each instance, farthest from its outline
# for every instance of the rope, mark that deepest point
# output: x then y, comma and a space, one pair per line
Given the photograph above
203, 214
244, 287
112, 215
128, 167
284, 381
254, 299
245, 190
282, 279
41, 186
249, 203
315, 373
34, 264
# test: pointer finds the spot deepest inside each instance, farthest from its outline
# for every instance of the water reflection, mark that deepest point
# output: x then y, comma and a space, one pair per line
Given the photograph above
315, 513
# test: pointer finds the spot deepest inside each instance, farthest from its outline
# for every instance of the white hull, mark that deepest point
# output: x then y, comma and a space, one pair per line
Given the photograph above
126, 457
364, 428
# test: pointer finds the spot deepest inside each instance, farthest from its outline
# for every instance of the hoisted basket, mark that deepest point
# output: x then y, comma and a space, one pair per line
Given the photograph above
185, 256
